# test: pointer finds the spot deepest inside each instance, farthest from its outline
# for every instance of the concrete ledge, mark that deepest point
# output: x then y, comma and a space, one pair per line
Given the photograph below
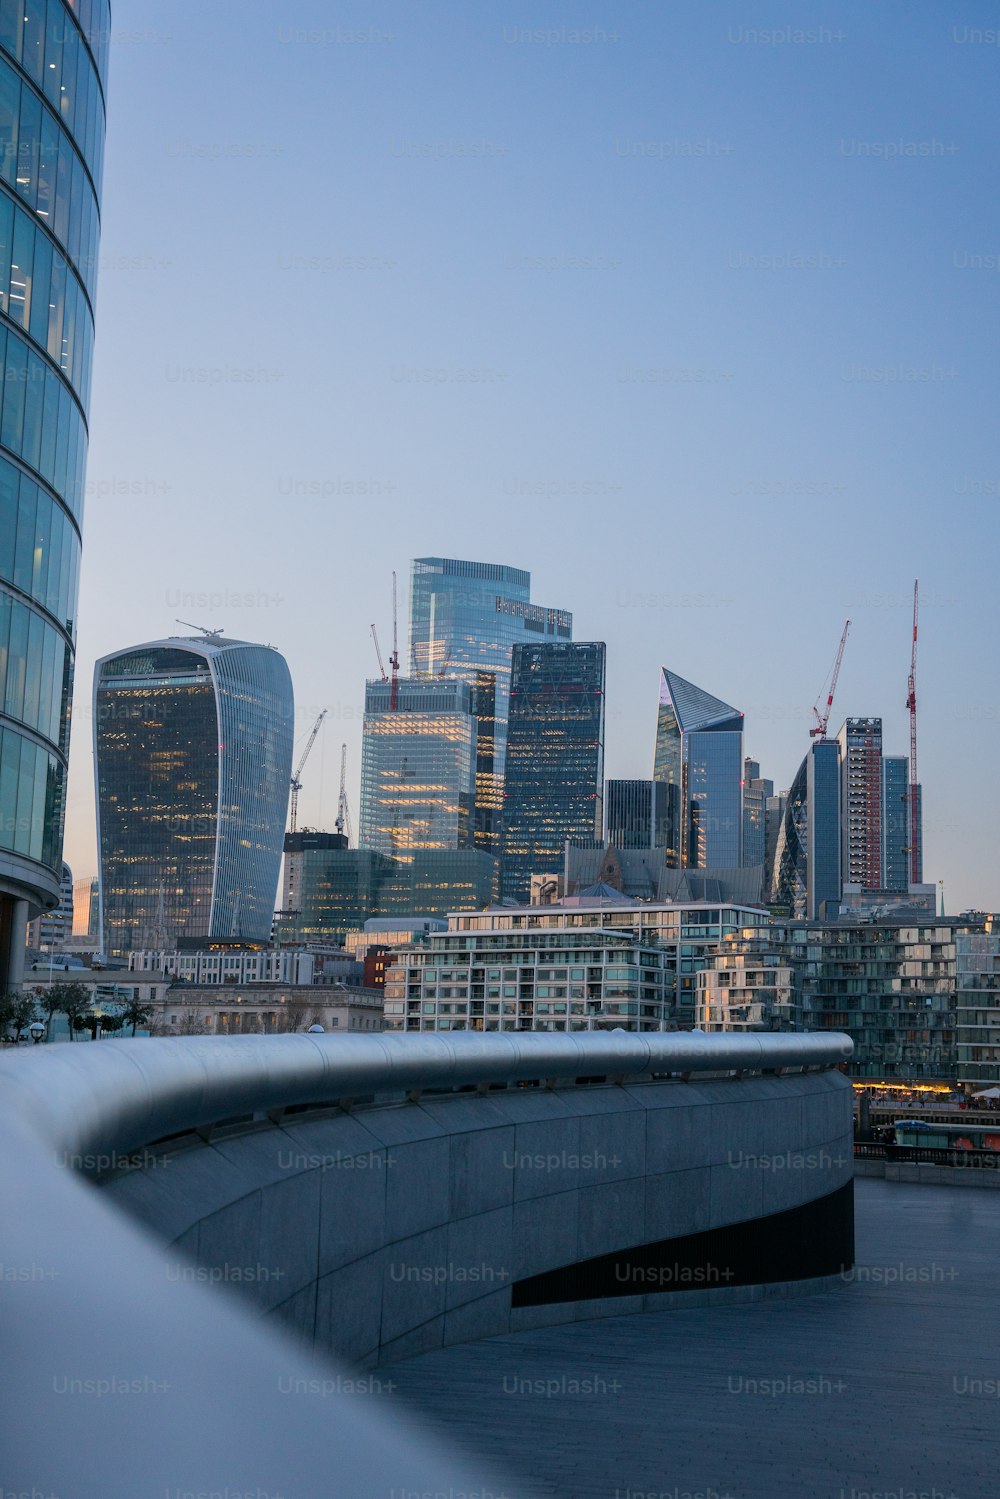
400, 1228
915, 1174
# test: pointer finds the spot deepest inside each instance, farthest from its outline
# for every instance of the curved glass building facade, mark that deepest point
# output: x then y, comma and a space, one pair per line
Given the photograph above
789, 886
699, 759
193, 761
53, 60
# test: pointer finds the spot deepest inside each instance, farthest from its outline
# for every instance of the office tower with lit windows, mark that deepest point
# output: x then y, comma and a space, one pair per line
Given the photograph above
860, 741
699, 758
756, 791
635, 814
554, 781
465, 619
193, 761
418, 766
53, 62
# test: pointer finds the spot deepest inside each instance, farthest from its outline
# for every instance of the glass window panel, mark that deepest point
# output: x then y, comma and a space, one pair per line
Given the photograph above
14, 384
67, 84
27, 149
22, 260
66, 412
42, 547
56, 27
25, 545
25, 798
57, 308
72, 346
37, 377
64, 187
11, 22
38, 690
37, 840
10, 755
46, 718
79, 187
38, 325
84, 84
65, 575
58, 673
8, 519
14, 687
5, 611
10, 104
33, 44
48, 158
50, 426
59, 524
6, 233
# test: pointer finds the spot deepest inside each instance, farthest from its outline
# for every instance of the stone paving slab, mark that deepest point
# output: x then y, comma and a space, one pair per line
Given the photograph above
885, 1387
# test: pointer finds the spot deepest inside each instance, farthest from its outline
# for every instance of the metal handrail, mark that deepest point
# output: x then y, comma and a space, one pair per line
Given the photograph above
92, 1317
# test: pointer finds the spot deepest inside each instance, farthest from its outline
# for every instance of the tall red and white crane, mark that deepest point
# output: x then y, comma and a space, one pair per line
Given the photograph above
297, 777
823, 719
911, 703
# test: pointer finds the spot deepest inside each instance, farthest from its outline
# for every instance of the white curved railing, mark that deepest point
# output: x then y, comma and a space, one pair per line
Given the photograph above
120, 1379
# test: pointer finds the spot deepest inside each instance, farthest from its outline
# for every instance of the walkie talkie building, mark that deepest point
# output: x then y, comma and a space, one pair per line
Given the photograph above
53, 60
193, 763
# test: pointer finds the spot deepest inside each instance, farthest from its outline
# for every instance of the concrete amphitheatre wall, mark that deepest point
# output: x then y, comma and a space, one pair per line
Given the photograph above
390, 1230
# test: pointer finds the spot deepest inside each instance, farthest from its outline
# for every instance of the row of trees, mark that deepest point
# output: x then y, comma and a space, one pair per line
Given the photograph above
18, 1011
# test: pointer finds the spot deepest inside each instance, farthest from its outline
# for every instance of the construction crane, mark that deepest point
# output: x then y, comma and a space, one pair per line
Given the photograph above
911, 703
378, 652
343, 823
823, 719
297, 777
394, 658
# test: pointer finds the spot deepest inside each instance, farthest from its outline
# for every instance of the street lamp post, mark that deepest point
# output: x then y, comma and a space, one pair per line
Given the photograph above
36, 1030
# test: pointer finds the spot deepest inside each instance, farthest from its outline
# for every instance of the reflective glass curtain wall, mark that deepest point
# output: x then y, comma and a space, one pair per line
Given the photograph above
465, 619
418, 766
555, 759
895, 822
192, 756
53, 62
699, 758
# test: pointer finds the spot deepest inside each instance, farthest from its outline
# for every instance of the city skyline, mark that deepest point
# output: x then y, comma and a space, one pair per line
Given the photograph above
305, 712
609, 346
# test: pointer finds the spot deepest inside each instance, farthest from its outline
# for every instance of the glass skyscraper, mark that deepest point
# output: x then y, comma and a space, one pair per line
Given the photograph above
860, 741
465, 619
807, 868
193, 761
635, 814
53, 61
896, 831
699, 758
789, 888
418, 766
823, 849
555, 758
756, 791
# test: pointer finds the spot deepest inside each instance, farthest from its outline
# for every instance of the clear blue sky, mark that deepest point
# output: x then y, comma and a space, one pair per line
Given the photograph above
707, 295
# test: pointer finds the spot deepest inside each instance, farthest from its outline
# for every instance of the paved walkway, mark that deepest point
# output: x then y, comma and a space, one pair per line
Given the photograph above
885, 1387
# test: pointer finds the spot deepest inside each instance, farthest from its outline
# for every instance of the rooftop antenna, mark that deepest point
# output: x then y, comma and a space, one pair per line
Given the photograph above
202, 629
